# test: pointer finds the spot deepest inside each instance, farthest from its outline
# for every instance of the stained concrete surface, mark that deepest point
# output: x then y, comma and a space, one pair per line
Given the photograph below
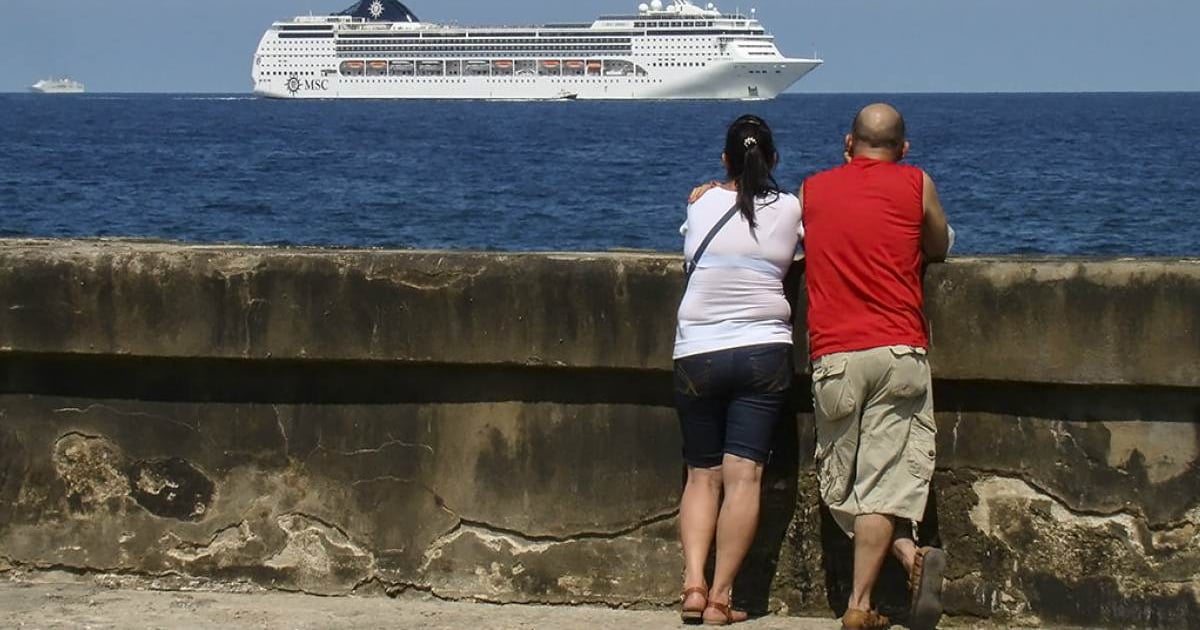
495, 427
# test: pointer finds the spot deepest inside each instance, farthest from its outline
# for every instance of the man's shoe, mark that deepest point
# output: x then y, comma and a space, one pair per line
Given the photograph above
928, 570
864, 620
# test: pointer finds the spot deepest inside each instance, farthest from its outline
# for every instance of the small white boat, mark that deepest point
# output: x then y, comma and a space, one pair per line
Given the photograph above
57, 86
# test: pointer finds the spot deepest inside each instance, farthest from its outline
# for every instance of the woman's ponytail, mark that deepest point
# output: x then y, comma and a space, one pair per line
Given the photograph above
750, 152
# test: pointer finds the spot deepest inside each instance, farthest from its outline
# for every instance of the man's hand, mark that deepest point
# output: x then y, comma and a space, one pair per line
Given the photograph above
700, 190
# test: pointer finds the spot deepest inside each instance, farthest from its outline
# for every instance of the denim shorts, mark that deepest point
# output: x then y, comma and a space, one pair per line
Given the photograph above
730, 401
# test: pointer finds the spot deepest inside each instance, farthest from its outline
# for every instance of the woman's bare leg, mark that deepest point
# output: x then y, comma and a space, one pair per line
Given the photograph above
736, 524
698, 511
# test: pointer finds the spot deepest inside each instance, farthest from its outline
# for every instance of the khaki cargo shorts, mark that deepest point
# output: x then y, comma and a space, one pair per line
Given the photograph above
875, 433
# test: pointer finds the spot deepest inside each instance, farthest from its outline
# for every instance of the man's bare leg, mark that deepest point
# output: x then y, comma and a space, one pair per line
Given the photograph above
905, 550
872, 541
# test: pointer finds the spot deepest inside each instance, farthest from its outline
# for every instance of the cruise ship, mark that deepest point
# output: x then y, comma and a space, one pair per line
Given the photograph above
57, 86
380, 49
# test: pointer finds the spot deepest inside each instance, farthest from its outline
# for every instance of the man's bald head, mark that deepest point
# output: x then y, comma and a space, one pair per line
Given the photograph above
879, 128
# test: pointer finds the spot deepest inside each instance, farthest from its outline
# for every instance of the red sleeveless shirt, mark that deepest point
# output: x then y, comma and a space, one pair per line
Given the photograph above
862, 224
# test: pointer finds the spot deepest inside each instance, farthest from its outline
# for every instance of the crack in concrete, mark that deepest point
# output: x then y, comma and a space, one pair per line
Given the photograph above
198, 550
128, 414
649, 521
392, 441
1066, 503
449, 278
86, 571
393, 479
495, 537
287, 448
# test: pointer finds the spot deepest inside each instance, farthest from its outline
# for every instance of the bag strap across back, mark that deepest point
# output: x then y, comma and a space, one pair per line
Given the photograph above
688, 270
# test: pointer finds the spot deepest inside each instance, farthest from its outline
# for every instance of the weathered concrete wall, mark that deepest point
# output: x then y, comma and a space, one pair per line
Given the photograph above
499, 427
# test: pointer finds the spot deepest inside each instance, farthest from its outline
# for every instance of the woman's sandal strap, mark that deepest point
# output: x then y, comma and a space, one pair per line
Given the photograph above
695, 590
724, 609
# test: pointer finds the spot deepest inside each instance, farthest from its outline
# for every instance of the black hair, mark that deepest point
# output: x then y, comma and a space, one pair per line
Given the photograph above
751, 155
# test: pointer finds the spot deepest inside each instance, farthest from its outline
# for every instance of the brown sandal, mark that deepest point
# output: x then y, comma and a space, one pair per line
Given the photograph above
864, 620
925, 584
726, 611
691, 615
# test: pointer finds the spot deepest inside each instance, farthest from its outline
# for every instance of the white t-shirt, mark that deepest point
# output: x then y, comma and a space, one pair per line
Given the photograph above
735, 298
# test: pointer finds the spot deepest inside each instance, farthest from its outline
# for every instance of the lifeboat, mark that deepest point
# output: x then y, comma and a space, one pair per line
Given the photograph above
504, 64
354, 65
594, 65
574, 64
378, 65
550, 64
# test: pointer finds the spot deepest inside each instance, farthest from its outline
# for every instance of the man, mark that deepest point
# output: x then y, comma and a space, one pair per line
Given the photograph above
870, 226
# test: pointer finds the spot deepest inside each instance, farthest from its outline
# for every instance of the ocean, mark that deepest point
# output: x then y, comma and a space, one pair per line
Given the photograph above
1078, 174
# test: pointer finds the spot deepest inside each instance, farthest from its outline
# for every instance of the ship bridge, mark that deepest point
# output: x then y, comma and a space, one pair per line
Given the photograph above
381, 11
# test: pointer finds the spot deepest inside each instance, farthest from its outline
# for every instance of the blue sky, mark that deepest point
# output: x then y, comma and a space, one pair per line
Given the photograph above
869, 45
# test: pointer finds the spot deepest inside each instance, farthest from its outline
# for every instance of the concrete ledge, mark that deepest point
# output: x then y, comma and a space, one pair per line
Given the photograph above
496, 427
1049, 321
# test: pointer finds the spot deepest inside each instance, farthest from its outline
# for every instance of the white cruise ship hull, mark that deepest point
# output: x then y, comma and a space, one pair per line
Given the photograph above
377, 49
726, 81
56, 90
57, 87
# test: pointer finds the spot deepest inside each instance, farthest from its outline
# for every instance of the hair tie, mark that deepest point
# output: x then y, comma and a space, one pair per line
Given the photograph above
750, 142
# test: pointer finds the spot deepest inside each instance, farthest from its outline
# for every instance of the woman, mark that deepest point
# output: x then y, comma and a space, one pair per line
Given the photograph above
733, 360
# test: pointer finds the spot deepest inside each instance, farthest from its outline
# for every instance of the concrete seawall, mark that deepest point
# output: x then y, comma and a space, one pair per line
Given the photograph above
499, 428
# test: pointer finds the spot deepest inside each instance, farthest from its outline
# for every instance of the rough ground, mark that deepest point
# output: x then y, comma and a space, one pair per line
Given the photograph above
64, 601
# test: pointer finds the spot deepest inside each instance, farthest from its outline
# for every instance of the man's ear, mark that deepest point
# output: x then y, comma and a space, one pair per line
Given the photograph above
849, 152
904, 151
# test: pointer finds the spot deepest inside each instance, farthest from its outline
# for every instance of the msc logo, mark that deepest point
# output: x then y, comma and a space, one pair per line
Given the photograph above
295, 84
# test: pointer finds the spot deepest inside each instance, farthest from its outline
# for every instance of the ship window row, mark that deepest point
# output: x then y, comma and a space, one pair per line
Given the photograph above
704, 33
673, 24
479, 40
481, 53
345, 35
612, 68
306, 36
460, 49
306, 27
543, 35
482, 34
729, 18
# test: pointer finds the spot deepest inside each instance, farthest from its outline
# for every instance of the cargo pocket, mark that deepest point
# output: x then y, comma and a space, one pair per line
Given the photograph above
833, 398
922, 447
909, 376
837, 429
834, 463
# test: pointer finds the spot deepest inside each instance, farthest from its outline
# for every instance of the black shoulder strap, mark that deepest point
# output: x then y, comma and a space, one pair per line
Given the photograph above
688, 270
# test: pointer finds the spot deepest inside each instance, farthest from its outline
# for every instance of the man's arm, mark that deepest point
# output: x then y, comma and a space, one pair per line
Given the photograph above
800, 198
935, 229
700, 190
